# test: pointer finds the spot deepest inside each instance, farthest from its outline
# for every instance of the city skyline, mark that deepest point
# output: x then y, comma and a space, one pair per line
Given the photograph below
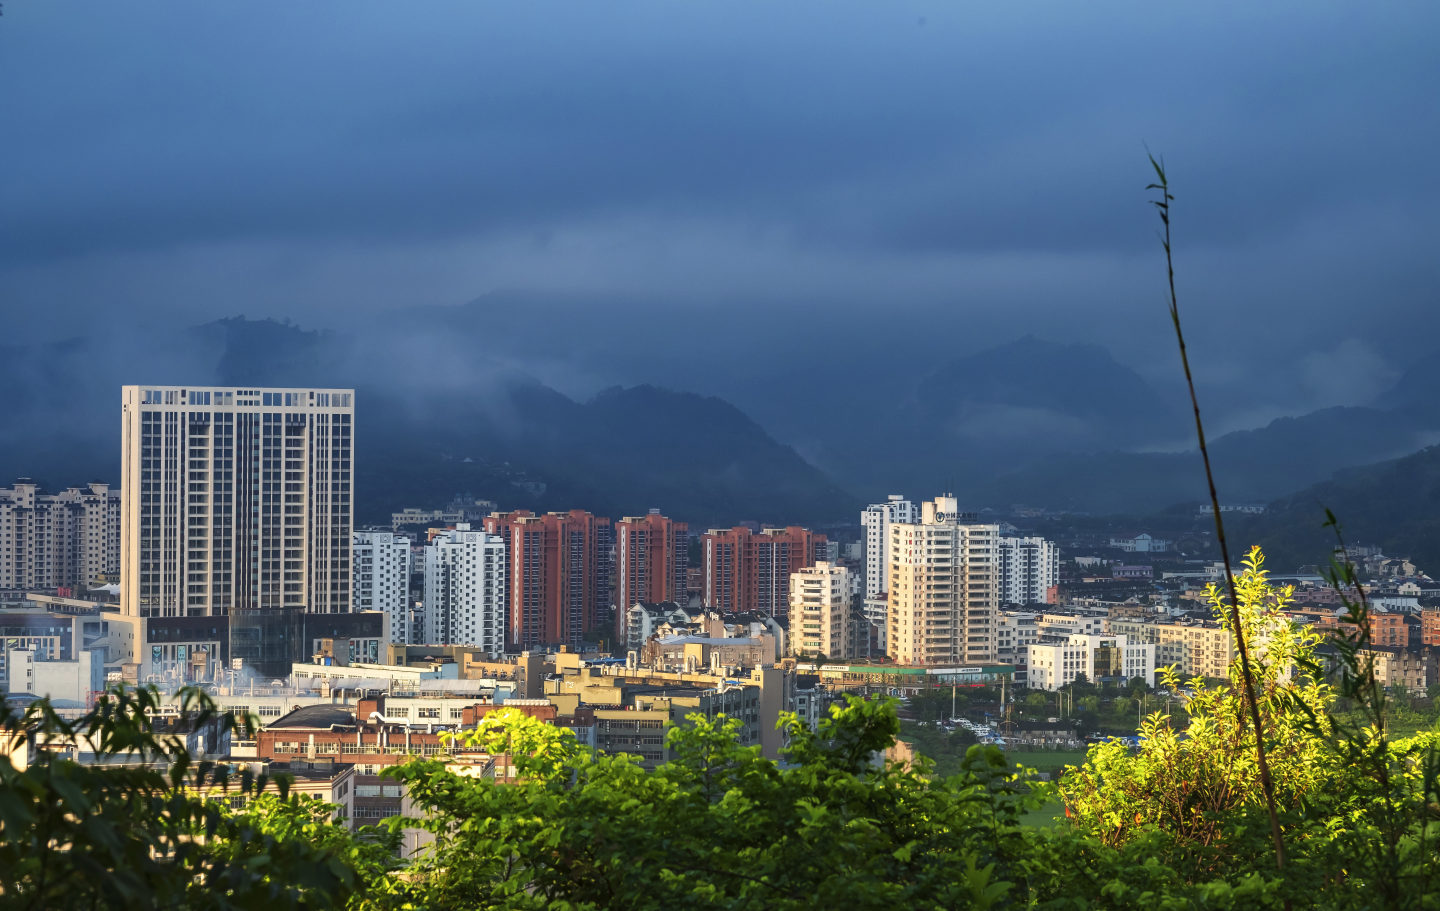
720, 454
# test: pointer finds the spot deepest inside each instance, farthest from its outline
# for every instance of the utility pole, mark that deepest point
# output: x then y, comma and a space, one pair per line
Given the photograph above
1006, 727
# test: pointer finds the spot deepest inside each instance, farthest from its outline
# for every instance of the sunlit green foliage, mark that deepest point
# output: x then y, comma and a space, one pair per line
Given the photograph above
1189, 796
720, 826
1194, 782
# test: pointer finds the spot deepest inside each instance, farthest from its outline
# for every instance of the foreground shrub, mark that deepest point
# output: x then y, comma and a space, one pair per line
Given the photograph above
1190, 797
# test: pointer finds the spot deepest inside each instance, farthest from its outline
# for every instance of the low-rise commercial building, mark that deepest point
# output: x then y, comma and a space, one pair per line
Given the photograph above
369, 736
906, 680
77, 681
1050, 667
1194, 649
756, 696
692, 654
643, 620
1143, 543
651, 625
60, 630
1014, 633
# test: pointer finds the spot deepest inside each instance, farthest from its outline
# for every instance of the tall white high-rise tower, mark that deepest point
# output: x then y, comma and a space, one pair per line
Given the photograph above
465, 585
877, 519
382, 580
235, 499
1029, 570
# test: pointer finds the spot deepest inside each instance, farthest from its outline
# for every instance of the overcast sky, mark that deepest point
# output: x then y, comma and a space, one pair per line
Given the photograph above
974, 166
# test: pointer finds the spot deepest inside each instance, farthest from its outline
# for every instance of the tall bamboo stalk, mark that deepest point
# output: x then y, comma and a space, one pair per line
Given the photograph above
1162, 205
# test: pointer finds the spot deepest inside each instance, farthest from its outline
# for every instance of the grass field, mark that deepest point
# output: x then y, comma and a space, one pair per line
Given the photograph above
1046, 760
948, 750
1051, 814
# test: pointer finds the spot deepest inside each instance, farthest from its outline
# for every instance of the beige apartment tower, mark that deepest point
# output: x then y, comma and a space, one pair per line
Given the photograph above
820, 621
943, 589
235, 499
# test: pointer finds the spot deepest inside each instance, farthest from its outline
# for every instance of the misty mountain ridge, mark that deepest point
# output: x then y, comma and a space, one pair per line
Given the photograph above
1251, 466
1030, 421
1417, 390
512, 439
1066, 426
1079, 382
445, 411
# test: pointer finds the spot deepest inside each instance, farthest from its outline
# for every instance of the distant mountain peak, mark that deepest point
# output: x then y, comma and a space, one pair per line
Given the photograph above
1067, 379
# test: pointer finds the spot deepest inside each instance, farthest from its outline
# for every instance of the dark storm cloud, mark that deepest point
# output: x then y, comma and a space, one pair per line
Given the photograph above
979, 165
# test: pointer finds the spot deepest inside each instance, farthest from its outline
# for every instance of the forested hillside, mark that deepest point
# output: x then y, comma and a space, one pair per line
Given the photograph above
1395, 505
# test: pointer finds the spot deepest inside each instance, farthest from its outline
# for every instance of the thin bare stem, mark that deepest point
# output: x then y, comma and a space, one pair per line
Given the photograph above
1162, 205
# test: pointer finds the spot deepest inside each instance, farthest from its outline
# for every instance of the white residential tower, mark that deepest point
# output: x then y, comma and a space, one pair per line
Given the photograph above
69, 539
465, 589
1029, 570
235, 499
382, 580
877, 519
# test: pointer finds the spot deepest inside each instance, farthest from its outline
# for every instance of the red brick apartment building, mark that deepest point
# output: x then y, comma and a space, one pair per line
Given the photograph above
652, 560
559, 575
335, 734
1387, 629
747, 571
1430, 626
